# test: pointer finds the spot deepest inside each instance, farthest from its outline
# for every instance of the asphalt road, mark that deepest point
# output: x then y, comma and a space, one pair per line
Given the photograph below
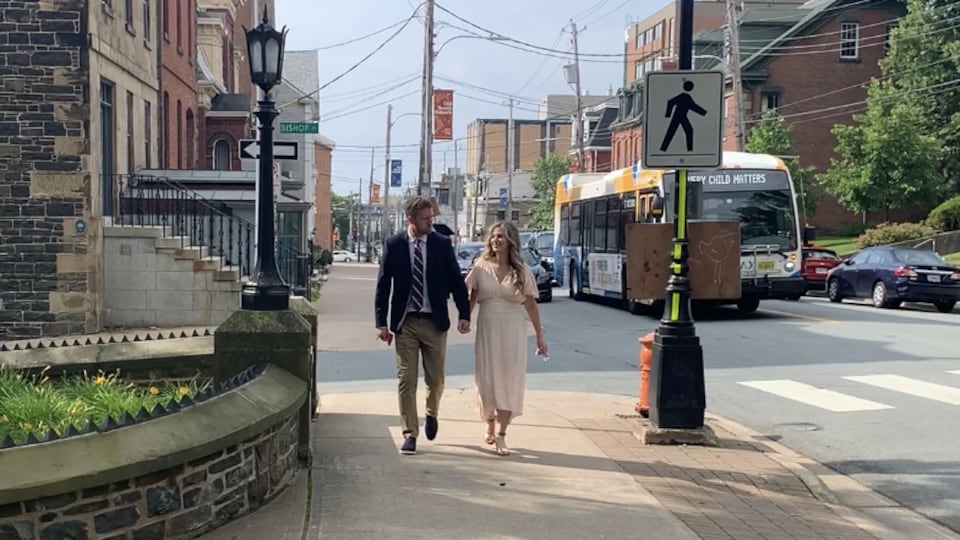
870, 393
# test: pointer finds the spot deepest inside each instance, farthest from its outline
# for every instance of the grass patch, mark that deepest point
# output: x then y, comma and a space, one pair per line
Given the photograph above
953, 258
843, 245
36, 404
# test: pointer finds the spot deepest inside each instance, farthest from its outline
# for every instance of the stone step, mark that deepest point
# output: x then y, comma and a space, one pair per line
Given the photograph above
227, 273
212, 264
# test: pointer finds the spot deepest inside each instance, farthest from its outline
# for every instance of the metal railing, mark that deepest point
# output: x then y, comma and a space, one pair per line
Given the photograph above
179, 212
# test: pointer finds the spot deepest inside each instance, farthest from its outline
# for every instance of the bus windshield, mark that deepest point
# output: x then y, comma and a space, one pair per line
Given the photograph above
766, 217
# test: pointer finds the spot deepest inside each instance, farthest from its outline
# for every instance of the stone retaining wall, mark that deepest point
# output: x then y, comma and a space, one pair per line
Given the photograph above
180, 502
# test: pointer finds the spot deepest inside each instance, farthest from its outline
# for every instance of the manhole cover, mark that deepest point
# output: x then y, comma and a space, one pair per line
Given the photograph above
802, 426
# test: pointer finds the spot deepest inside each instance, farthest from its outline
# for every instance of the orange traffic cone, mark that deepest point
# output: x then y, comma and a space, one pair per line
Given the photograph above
646, 356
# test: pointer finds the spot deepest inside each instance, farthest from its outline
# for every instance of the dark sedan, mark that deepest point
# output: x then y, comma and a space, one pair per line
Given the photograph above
890, 276
543, 276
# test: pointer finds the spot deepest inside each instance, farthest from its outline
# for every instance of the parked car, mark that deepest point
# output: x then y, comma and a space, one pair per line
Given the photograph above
344, 256
817, 262
543, 276
890, 276
466, 253
542, 243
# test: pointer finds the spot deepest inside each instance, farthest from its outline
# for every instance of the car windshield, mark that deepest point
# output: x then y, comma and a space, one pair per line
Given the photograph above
529, 257
916, 256
545, 243
467, 251
820, 254
766, 217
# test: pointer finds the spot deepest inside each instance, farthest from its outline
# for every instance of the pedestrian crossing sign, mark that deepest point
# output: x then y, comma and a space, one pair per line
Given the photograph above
683, 119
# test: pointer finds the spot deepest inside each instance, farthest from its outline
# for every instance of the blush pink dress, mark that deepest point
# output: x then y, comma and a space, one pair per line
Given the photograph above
501, 342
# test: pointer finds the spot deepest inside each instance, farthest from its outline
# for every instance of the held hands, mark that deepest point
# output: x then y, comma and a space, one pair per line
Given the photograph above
463, 326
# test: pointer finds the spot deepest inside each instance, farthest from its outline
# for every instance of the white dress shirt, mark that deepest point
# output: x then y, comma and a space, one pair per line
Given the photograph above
426, 308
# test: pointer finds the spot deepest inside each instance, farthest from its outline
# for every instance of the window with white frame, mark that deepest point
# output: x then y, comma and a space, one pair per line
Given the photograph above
640, 41
658, 32
850, 40
638, 71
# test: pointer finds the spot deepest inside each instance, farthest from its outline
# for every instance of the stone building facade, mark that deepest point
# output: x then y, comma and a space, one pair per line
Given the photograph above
78, 95
48, 196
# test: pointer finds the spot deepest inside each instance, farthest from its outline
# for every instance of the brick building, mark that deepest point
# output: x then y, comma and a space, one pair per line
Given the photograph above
323, 168
595, 122
784, 50
487, 143
178, 85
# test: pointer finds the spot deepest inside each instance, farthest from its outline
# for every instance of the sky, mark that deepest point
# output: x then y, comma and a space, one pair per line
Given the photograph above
353, 109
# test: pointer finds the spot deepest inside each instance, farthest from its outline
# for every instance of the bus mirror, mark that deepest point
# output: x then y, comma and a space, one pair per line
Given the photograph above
656, 206
809, 235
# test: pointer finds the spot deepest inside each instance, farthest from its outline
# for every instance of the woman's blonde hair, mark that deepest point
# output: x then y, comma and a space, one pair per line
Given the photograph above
512, 235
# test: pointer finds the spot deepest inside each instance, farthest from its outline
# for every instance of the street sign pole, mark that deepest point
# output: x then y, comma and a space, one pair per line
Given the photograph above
677, 391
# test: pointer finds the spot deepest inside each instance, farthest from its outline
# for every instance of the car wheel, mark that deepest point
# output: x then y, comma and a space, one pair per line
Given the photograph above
546, 296
945, 307
879, 296
748, 305
833, 290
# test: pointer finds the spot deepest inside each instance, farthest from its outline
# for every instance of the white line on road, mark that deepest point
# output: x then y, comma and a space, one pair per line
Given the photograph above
357, 278
816, 397
913, 387
955, 372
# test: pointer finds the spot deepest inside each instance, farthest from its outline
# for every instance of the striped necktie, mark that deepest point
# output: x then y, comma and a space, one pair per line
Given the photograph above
417, 289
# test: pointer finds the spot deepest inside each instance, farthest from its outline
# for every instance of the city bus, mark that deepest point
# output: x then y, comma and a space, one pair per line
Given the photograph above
755, 189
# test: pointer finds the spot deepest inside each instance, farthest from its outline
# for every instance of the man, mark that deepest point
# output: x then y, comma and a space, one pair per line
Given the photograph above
422, 268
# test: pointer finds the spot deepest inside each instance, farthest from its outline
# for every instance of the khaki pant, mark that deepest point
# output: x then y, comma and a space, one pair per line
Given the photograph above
418, 336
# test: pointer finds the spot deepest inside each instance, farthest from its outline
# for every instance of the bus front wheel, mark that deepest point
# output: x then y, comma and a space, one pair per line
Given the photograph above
748, 305
574, 286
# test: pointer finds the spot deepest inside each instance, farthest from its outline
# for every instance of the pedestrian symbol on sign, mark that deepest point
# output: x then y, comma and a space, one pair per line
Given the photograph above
677, 110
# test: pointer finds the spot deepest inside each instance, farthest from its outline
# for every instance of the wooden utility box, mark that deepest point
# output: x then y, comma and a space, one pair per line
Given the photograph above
714, 259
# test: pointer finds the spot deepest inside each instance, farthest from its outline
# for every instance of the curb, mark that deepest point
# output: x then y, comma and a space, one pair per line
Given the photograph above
847, 497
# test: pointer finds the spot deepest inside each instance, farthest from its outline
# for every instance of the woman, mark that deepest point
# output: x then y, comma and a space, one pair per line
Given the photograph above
504, 287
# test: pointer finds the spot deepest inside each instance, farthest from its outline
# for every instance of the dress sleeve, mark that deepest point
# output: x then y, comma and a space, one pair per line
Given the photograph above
529, 282
472, 279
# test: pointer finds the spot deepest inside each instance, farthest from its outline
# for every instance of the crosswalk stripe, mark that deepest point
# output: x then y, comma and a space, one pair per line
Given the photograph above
955, 371
913, 387
815, 397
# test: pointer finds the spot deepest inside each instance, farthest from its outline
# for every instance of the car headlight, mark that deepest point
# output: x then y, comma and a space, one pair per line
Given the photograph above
789, 266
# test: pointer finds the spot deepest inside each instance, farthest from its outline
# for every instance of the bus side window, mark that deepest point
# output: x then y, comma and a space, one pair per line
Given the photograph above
564, 225
599, 226
576, 231
628, 215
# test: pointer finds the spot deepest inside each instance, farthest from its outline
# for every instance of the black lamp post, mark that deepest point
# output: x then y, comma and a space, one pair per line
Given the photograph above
266, 290
677, 395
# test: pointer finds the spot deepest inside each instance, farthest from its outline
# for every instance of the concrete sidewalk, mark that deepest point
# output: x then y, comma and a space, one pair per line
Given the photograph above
577, 471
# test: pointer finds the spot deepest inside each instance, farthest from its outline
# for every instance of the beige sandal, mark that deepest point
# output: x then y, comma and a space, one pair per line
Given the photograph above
488, 436
501, 445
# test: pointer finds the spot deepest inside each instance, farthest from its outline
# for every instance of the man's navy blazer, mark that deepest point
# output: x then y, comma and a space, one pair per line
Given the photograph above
443, 279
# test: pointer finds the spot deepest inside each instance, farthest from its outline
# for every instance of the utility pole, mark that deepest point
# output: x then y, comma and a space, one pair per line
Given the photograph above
510, 165
426, 120
578, 132
455, 199
733, 35
387, 176
369, 198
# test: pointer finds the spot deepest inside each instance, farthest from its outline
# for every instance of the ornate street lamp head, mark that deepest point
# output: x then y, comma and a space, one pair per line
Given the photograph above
265, 52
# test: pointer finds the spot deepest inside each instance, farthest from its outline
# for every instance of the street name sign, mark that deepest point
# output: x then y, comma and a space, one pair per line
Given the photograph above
299, 127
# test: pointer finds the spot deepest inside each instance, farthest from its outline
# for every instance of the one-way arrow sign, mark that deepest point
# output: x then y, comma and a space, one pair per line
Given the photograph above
250, 149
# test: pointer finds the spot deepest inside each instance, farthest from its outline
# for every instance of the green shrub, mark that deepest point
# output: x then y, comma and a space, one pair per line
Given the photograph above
891, 233
946, 217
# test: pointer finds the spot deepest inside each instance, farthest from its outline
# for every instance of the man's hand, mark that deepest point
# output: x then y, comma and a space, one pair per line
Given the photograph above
385, 335
463, 326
